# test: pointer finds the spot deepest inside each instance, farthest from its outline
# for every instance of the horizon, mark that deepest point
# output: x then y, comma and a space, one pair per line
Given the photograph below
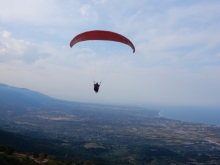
156, 107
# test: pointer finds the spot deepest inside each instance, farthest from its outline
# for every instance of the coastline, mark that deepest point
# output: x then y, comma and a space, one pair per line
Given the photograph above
159, 113
201, 117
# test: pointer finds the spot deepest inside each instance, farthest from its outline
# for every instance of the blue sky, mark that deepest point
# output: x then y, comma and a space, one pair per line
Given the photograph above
177, 58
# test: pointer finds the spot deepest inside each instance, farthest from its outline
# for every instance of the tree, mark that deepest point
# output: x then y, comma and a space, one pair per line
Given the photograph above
9, 150
2, 148
88, 162
36, 155
41, 157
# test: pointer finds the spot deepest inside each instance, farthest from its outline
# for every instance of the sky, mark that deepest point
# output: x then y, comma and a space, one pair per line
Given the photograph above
177, 58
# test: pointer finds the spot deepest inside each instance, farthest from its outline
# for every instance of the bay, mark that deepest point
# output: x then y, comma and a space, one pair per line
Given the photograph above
196, 115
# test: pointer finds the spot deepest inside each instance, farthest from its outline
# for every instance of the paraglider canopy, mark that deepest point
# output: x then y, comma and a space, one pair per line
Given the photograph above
99, 64
102, 35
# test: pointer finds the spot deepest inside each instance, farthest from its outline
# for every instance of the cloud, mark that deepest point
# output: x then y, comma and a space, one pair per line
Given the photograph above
100, 1
6, 34
12, 49
39, 12
84, 9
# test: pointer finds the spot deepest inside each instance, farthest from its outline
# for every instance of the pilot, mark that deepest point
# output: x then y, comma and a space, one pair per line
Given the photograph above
96, 87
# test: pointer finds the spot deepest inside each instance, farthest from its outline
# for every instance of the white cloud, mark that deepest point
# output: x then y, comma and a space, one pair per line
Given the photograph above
84, 9
6, 34
39, 12
12, 49
99, 1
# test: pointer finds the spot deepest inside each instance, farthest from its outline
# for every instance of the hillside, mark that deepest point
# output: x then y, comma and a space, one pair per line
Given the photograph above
19, 101
24, 96
14, 100
30, 144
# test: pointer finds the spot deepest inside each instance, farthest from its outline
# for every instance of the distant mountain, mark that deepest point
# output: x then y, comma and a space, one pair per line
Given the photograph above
14, 100
9, 94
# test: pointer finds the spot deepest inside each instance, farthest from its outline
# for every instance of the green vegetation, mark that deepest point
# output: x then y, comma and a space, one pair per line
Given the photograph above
8, 156
19, 158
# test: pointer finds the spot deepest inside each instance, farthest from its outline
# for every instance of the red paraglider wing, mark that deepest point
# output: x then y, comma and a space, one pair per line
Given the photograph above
101, 35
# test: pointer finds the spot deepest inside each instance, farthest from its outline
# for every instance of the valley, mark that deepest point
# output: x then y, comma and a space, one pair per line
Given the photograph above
105, 134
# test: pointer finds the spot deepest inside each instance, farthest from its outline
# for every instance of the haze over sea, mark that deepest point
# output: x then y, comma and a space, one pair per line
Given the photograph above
206, 115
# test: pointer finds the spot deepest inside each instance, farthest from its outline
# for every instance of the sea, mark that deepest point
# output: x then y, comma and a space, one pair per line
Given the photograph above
205, 115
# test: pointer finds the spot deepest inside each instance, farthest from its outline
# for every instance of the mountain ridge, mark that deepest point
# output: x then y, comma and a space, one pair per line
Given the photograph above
14, 100
21, 93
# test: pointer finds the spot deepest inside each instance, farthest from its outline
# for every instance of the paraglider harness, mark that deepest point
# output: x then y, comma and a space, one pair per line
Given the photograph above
96, 86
